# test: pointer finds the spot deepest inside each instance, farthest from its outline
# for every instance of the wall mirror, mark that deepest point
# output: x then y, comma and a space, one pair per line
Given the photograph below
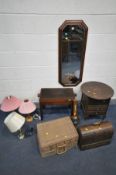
72, 46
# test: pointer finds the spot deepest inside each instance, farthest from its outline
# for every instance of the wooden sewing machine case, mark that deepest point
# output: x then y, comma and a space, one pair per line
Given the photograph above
94, 135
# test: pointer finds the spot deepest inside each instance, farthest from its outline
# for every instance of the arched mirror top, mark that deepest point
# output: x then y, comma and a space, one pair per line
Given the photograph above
72, 45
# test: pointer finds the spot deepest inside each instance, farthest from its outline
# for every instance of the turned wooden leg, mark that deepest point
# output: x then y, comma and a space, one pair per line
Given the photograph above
41, 111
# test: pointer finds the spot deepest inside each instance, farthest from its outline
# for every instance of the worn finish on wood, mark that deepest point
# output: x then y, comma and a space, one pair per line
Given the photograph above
94, 135
95, 98
56, 136
56, 96
97, 90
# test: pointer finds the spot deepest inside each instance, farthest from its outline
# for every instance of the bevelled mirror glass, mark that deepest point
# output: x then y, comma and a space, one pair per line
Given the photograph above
72, 46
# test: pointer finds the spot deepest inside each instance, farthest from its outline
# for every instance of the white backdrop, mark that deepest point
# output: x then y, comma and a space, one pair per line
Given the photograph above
29, 43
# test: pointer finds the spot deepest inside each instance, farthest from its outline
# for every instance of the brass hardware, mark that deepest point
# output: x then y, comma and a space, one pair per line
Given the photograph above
74, 107
97, 123
69, 100
65, 136
75, 116
86, 129
50, 151
99, 128
61, 147
29, 118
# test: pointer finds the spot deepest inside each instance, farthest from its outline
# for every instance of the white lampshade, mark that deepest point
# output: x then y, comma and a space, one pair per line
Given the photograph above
14, 122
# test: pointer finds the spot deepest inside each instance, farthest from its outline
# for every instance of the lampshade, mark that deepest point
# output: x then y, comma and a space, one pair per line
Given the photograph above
27, 107
14, 122
10, 103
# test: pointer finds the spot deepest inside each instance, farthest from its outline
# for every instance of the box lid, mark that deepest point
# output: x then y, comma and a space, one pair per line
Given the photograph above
95, 128
55, 131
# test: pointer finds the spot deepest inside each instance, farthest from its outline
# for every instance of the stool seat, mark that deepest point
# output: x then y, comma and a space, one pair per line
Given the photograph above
55, 96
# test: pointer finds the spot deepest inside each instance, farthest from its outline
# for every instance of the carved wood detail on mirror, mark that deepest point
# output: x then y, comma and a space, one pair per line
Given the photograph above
72, 46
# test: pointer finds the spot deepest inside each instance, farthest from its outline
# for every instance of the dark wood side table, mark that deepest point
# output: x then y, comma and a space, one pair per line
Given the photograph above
95, 98
56, 96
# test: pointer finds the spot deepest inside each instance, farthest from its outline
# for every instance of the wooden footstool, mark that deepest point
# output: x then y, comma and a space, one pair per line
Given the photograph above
56, 96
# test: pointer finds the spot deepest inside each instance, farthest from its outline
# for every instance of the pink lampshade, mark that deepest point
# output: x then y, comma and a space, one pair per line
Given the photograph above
27, 107
10, 103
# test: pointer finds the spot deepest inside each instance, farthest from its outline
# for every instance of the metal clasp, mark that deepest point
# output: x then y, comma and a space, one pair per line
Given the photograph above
61, 149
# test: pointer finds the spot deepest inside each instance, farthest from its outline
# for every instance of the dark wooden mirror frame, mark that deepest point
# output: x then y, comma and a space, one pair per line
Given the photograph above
66, 23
